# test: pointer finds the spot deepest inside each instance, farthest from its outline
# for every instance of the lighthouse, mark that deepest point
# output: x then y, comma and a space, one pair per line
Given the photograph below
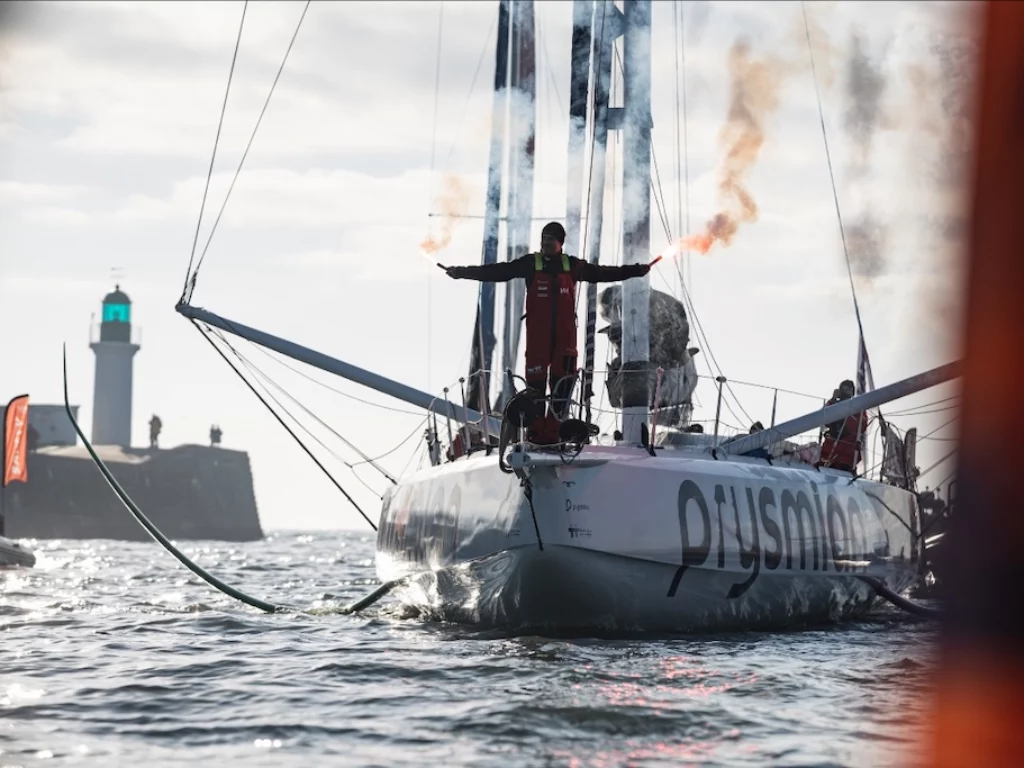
112, 391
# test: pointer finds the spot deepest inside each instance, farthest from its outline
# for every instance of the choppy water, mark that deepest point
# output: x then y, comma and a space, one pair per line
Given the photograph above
113, 654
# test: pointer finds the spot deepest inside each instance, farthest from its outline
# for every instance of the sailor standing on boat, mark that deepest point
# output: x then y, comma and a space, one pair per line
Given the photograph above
841, 447
551, 350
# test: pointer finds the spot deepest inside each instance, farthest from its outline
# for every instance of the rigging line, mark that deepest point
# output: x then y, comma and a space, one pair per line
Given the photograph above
908, 414
213, 157
686, 143
693, 312
472, 85
917, 408
725, 400
262, 377
255, 369
266, 377
831, 173
551, 67
941, 426
682, 162
677, 150
430, 183
437, 94
248, 146
929, 437
945, 458
710, 358
406, 440
334, 389
422, 453
945, 480
702, 337
599, 45
927, 407
776, 389
659, 202
658, 191
283, 424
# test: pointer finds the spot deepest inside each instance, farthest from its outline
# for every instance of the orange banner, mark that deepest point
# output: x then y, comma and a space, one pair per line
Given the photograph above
16, 441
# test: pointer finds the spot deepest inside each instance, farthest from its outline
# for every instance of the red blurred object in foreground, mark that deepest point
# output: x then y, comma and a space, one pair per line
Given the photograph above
978, 717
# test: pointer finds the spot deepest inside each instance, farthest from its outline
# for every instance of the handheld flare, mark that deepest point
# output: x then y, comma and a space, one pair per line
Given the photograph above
423, 252
700, 243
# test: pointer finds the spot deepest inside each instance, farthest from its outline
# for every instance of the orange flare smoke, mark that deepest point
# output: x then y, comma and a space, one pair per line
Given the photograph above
453, 201
755, 95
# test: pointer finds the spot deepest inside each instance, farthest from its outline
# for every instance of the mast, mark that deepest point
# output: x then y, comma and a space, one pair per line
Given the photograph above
579, 76
482, 351
522, 140
636, 217
608, 27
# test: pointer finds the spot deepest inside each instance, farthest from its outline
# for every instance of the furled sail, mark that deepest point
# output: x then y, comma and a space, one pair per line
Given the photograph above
522, 138
669, 350
482, 348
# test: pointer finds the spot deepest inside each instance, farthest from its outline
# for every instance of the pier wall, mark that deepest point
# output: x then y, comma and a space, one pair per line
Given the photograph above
188, 492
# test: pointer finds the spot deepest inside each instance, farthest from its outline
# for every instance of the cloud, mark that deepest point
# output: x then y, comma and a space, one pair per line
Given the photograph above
363, 265
45, 285
17, 192
53, 215
127, 98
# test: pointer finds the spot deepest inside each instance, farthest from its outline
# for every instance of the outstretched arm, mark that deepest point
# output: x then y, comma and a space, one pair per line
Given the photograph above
499, 272
597, 273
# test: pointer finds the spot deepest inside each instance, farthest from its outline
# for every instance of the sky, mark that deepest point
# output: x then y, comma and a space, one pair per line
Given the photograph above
108, 114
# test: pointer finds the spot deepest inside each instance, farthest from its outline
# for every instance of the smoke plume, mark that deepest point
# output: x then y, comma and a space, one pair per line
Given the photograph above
754, 88
944, 131
452, 203
806, 28
957, 57
866, 232
865, 89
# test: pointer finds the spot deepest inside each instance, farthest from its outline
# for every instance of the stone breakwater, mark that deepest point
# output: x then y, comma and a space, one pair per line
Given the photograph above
189, 492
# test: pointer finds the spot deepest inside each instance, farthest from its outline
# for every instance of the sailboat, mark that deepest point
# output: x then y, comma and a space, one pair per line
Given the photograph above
672, 530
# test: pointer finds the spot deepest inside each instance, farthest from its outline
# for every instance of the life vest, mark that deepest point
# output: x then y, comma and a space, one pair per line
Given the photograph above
842, 451
551, 313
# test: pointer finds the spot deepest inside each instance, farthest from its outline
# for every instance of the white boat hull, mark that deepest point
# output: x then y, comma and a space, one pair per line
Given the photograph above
674, 543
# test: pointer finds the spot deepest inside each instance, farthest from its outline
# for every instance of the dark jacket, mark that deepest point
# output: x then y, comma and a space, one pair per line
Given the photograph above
581, 271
